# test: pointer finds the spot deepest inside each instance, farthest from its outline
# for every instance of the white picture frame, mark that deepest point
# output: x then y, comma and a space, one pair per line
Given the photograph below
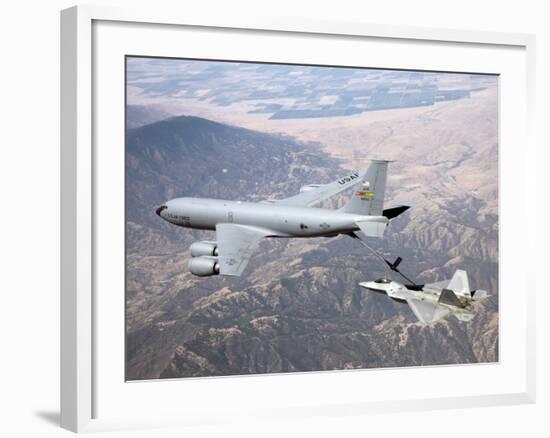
80, 169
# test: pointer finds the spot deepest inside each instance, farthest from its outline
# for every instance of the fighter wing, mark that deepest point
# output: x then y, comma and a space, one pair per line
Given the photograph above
236, 244
323, 191
438, 286
427, 311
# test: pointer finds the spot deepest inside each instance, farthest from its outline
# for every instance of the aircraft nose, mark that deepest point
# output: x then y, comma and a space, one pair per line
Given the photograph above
160, 209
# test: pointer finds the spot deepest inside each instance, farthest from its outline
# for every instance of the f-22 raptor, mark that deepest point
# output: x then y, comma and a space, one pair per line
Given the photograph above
431, 302
240, 225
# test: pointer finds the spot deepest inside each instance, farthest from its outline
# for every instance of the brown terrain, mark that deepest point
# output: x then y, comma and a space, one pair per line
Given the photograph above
298, 306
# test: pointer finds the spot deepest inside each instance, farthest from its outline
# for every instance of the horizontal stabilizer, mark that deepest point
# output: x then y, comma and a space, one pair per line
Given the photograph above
448, 297
479, 294
464, 316
390, 213
373, 228
426, 311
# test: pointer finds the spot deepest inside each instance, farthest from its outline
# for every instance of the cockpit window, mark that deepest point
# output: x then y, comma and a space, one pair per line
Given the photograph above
383, 280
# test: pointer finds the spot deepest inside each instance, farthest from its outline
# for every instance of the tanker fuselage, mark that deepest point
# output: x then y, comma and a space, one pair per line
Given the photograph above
281, 220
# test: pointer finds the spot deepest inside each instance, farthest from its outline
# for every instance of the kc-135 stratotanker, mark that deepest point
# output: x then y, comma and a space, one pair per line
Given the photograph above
240, 225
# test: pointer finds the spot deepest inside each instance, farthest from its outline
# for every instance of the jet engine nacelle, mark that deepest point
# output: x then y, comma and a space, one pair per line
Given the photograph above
204, 266
204, 248
309, 187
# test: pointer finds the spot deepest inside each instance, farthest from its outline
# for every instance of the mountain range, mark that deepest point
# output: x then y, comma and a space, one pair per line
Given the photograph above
298, 306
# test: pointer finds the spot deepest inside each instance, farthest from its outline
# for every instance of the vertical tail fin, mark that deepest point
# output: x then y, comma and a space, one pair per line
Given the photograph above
368, 199
459, 283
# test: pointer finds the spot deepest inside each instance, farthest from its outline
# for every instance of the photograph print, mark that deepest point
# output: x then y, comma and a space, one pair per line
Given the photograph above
291, 218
